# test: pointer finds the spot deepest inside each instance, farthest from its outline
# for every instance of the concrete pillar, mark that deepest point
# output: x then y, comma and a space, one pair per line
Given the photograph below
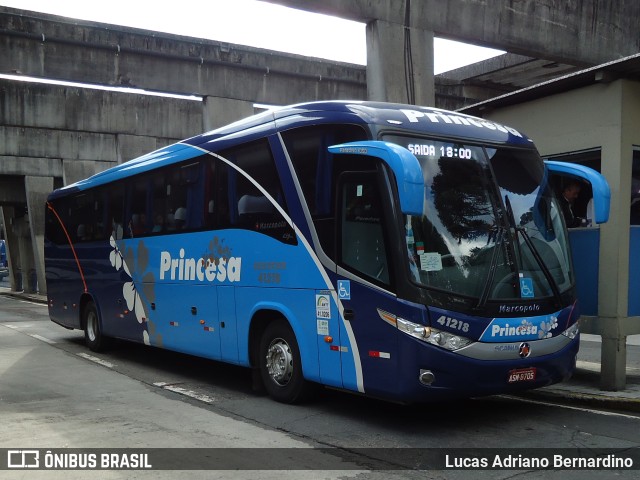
13, 245
399, 64
218, 112
613, 298
27, 262
37, 190
614, 359
617, 166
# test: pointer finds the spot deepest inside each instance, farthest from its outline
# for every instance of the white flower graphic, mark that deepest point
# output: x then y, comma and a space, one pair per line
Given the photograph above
116, 258
134, 302
129, 292
546, 327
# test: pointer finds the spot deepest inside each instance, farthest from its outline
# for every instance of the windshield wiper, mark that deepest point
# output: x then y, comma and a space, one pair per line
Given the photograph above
534, 251
492, 268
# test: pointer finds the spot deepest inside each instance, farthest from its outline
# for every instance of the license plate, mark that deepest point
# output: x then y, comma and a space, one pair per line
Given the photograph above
522, 375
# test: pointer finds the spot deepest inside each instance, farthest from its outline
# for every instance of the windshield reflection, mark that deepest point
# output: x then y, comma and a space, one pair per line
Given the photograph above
464, 242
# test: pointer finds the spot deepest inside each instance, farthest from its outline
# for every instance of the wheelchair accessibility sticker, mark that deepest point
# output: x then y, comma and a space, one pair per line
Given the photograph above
344, 289
526, 287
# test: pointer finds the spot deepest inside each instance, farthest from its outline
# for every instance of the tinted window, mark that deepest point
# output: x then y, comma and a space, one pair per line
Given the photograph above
317, 174
53, 230
249, 207
168, 200
362, 244
313, 164
115, 213
216, 204
199, 193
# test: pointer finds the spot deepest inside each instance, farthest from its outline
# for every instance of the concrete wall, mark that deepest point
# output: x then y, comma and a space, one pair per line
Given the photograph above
50, 132
50, 122
52, 47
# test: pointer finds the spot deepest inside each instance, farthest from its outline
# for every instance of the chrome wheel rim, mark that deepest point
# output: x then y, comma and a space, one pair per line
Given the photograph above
280, 362
92, 322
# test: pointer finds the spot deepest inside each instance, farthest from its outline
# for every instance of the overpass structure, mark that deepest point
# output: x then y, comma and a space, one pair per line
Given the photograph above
546, 39
53, 135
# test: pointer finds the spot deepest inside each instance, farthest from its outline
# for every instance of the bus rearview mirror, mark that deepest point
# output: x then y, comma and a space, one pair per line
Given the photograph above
405, 167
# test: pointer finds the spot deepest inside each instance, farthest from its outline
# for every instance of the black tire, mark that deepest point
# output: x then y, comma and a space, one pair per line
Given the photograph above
280, 365
93, 337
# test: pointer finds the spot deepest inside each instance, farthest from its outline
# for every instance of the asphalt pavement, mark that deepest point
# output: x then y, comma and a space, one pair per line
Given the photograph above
582, 389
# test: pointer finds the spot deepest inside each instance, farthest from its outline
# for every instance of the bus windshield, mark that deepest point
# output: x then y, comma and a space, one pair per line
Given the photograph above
491, 228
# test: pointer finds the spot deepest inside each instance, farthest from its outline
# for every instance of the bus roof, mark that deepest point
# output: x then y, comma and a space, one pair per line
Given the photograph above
381, 115
424, 120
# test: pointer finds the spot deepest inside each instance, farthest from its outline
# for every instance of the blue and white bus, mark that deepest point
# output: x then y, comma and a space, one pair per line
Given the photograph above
402, 252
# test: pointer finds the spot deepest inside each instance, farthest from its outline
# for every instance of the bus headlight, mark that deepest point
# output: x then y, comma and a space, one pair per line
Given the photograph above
572, 331
432, 335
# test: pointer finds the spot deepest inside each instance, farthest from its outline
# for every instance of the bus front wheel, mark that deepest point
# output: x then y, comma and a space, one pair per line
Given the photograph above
93, 337
280, 365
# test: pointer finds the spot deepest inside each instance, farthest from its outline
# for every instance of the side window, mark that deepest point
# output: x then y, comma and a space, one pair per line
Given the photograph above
249, 208
53, 231
116, 210
89, 212
362, 244
575, 200
160, 208
216, 188
314, 167
169, 200
184, 205
88, 216
575, 195
102, 228
137, 221
83, 212
312, 162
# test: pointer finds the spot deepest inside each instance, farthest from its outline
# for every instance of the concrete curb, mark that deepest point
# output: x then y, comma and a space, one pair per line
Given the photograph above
32, 297
601, 401
584, 389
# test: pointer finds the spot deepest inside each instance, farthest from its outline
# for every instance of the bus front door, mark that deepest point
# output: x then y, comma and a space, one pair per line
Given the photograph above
365, 273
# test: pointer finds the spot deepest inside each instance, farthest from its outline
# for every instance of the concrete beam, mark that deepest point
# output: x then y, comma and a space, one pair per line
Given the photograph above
50, 47
42, 124
81, 110
46, 143
589, 32
39, 167
501, 62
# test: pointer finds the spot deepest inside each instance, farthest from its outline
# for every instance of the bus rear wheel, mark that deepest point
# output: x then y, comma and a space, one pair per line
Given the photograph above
280, 365
93, 337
